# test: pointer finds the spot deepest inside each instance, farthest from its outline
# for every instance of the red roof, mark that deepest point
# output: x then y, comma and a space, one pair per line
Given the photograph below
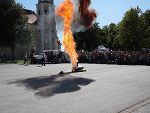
32, 17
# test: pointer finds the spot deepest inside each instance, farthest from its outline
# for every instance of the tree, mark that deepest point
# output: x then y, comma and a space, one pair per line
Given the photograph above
89, 39
110, 35
13, 24
145, 22
130, 31
104, 35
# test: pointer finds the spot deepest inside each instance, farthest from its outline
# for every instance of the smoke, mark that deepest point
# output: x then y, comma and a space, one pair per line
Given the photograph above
88, 15
59, 23
84, 16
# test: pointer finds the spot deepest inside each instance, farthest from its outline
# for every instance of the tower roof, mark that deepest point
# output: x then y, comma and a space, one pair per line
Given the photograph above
46, 1
31, 16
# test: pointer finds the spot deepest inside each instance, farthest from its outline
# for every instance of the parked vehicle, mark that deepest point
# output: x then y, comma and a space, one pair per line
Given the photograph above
52, 57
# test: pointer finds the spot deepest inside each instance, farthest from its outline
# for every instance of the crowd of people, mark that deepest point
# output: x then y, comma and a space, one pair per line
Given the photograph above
115, 57
101, 57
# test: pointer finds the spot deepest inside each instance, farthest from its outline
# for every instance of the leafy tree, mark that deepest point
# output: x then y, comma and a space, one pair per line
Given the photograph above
113, 33
13, 26
104, 35
130, 31
89, 39
145, 21
110, 35
95, 36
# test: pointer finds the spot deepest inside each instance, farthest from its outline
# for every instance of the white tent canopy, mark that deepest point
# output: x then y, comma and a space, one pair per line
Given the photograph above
102, 48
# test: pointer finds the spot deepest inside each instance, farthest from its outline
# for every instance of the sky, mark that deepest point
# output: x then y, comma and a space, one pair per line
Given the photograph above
108, 11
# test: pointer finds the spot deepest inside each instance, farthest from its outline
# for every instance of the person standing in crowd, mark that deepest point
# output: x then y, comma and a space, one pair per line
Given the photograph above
43, 58
25, 58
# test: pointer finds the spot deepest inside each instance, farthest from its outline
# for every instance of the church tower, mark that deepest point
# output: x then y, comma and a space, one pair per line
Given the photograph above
47, 39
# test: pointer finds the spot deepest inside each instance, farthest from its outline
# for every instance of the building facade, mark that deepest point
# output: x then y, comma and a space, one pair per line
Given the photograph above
43, 26
46, 35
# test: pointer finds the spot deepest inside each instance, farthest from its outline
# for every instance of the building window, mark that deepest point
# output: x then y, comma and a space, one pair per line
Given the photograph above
46, 11
52, 1
39, 12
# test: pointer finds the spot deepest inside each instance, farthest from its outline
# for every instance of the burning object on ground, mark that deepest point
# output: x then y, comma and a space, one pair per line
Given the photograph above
77, 68
74, 70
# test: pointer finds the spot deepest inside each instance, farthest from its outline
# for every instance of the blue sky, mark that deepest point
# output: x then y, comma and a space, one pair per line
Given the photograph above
108, 10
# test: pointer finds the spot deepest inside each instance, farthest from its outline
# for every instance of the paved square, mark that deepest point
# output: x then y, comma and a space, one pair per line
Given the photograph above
101, 89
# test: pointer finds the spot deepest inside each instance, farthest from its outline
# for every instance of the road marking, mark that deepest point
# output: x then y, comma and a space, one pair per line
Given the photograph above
136, 106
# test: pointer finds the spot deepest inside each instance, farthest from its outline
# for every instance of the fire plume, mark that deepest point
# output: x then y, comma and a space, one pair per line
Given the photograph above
65, 10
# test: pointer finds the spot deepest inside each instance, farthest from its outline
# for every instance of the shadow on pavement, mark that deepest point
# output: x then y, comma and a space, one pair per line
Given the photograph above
50, 85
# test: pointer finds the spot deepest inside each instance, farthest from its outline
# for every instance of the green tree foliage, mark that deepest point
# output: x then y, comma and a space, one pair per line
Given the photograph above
130, 30
132, 33
110, 35
95, 36
104, 36
89, 39
13, 26
145, 21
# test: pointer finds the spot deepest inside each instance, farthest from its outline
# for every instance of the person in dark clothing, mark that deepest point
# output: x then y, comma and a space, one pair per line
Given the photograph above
43, 58
25, 58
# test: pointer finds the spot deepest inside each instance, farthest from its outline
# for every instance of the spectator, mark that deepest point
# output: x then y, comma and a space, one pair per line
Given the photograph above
43, 58
25, 58
115, 57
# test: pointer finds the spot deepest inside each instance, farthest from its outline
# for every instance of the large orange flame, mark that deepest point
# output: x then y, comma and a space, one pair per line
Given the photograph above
65, 10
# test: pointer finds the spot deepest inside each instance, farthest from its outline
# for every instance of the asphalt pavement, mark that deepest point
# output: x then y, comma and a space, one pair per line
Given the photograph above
100, 89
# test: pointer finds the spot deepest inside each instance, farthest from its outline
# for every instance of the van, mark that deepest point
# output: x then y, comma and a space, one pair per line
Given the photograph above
56, 56
52, 57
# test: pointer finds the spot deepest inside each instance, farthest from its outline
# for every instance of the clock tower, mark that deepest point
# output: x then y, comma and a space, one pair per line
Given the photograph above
47, 39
